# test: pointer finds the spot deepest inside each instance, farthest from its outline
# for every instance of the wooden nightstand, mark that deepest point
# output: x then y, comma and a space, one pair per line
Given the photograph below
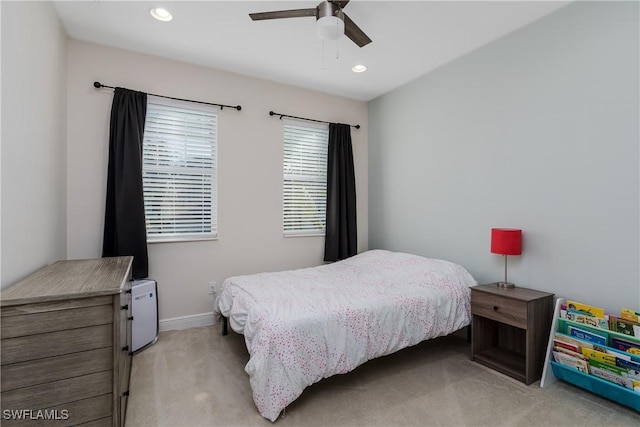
510, 328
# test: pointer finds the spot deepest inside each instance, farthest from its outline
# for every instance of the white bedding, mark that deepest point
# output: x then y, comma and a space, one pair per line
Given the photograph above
304, 325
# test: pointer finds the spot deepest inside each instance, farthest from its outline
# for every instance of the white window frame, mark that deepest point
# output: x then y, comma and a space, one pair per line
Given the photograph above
313, 172
181, 174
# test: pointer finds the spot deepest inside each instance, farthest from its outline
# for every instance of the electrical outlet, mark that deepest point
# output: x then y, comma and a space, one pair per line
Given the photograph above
212, 288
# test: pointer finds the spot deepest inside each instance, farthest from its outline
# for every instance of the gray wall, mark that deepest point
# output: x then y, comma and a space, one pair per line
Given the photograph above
539, 131
34, 146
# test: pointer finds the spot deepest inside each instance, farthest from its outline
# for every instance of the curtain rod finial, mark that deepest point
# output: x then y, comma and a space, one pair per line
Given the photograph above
97, 85
357, 126
238, 107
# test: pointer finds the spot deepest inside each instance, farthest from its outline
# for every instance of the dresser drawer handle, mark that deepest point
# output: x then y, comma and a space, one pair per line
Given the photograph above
495, 308
125, 348
124, 307
130, 318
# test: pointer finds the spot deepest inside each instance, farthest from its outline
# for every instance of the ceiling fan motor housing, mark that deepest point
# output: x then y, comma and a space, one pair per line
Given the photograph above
329, 21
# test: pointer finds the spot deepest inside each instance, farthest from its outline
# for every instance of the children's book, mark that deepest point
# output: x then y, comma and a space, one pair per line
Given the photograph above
589, 336
625, 345
632, 368
609, 373
600, 356
571, 340
629, 314
573, 362
624, 326
586, 319
585, 309
570, 353
564, 344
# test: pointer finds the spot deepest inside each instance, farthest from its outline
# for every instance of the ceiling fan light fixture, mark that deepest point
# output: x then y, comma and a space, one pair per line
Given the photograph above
360, 68
329, 27
161, 14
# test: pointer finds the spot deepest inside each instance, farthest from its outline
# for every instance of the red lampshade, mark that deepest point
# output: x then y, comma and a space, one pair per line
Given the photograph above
506, 241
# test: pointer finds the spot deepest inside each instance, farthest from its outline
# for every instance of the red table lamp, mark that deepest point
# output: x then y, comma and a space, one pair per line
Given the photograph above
506, 241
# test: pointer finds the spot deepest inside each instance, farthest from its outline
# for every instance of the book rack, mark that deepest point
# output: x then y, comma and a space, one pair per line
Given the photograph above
553, 371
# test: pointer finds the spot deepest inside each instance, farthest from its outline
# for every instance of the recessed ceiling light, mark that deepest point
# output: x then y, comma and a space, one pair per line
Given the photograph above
359, 68
161, 14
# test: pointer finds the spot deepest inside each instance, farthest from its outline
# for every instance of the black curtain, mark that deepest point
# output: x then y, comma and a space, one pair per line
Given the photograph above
341, 240
124, 222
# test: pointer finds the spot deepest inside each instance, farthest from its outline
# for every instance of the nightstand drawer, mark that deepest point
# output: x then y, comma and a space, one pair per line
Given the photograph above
501, 309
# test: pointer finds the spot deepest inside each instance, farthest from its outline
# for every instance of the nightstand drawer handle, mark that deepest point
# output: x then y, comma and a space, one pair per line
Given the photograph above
495, 307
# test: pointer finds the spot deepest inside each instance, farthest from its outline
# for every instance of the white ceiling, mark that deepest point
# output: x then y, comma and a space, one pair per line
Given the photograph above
410, 38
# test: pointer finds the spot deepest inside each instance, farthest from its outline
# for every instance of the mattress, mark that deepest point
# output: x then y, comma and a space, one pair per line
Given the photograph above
301, 326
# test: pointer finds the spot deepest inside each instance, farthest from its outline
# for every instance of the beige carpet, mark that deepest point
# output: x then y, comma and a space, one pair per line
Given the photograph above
196, 377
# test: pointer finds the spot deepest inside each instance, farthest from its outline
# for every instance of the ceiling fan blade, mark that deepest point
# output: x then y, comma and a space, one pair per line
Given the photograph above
354, 32
294, 13
342, 4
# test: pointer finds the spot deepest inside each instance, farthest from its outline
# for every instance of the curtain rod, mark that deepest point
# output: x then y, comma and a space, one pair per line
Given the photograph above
271, 113
99, 85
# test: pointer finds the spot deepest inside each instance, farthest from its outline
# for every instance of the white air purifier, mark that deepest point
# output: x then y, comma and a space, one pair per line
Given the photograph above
144, 309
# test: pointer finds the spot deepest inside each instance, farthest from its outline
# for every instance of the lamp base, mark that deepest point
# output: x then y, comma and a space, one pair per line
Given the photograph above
506, 285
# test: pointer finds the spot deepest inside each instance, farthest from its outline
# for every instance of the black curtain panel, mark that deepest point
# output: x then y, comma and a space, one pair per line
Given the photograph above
341, 239
124, 222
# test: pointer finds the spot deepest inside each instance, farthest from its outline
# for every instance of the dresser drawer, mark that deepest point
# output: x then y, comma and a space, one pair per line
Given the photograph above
94, 411
501, 309
52, 321
49, 369
31, 347
58, 392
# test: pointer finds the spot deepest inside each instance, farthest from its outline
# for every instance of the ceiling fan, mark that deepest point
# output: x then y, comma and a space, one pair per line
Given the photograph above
331, 21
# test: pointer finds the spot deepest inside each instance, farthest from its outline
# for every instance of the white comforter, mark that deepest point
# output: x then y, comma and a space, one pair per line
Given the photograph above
301, 326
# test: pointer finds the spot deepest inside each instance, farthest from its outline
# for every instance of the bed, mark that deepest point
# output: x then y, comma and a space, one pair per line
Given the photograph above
301, 326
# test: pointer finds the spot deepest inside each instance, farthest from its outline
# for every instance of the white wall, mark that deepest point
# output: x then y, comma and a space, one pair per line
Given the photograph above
538, 130
33, 139
249, 169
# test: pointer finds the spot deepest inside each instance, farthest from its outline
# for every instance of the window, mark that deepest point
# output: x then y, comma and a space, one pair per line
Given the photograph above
179, 170
305, 178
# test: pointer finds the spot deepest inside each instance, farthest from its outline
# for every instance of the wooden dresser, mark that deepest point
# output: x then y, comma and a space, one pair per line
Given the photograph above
65, 344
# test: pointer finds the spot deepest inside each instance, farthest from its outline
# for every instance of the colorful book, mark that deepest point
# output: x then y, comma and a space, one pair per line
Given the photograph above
624, 345
564, 344
629, 314
580, 343
570, 353
609, 373
632, 368
586, 319
573, 362
571, 340
589, 336
599, 356
624, 326
585, 309
619, 353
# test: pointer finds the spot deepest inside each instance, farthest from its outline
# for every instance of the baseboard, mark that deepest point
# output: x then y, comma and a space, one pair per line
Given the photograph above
186, 322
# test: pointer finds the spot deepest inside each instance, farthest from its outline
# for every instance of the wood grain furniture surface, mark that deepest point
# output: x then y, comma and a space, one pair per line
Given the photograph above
510, 328
66, 340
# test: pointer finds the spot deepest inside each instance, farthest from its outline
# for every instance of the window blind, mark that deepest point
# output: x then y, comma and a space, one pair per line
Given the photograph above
179, 170
305, 178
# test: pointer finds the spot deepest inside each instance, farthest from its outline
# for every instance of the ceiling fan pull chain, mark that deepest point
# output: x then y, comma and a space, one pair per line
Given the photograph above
341, 19
323, 54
